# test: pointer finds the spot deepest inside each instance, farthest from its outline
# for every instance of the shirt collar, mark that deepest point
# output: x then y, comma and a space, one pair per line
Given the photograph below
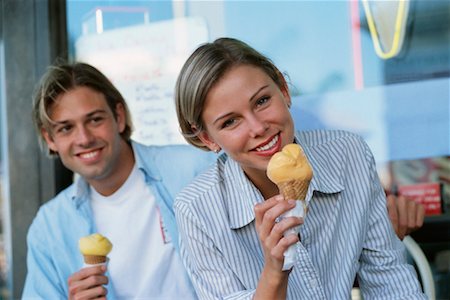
143, 163
80, 193
327, 176
241, 195
326, 179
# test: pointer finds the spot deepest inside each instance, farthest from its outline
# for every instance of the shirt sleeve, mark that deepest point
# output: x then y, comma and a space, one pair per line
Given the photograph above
42, 281
384, 270
208, 270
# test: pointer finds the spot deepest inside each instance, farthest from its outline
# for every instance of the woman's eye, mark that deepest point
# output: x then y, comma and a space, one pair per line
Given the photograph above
228, 123
263, 100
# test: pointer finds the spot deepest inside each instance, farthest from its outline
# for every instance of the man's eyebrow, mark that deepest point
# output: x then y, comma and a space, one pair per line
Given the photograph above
97, 111
54, 123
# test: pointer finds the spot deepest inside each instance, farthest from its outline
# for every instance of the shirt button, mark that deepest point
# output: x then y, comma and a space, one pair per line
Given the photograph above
313, 283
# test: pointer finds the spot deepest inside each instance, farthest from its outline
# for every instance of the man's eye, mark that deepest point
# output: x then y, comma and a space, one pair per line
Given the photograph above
97, 119
63, 129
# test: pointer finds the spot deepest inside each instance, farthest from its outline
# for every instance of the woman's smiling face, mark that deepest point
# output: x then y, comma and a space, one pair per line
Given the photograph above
247, 115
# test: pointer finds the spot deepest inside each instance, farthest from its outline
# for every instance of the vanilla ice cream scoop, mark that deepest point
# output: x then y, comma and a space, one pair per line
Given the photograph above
95, 248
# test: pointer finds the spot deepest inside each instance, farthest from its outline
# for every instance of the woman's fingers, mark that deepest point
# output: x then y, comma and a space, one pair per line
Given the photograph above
271, 228
268, 215
275, 238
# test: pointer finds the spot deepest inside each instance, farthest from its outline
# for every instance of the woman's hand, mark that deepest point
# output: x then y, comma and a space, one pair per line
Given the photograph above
273, 281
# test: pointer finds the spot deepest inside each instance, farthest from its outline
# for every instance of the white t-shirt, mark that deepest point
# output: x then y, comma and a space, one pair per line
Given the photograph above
142, 265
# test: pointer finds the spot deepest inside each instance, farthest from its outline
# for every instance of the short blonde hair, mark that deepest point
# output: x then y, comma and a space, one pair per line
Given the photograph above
202, 70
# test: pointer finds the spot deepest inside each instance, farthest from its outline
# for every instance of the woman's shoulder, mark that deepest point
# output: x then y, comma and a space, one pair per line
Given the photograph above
337, 147
207, 185
327, 137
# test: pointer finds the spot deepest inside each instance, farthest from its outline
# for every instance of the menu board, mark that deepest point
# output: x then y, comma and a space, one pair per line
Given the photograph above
143, 62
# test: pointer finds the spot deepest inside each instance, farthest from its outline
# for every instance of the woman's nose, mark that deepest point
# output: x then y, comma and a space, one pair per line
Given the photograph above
257, 126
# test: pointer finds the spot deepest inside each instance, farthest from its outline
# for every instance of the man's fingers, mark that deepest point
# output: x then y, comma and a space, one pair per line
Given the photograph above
402, 210
87, 272
416, 216
87, 282
412, 214
92, 293
420, 216
406, 215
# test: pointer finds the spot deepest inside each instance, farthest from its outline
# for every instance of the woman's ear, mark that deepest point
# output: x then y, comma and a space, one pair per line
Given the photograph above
287, 97
284, 88
208, 141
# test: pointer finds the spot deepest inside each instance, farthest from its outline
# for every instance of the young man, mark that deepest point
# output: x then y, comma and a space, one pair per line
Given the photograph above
124, 191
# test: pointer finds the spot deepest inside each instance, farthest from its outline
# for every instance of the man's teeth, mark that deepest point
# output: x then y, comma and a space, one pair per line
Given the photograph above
269, 145
89, 155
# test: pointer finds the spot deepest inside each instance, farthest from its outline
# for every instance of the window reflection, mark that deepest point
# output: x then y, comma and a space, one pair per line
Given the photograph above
399, 105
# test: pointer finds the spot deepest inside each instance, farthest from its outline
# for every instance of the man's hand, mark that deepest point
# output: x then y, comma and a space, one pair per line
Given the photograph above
88, 283
406, 215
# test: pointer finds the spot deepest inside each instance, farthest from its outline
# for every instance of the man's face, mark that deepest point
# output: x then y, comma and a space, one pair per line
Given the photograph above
85, 133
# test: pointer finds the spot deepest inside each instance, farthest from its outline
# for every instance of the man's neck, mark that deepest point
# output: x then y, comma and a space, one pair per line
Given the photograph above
119, 174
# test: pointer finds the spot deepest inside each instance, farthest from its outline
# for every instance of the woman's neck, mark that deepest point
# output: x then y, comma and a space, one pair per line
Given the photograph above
259, 178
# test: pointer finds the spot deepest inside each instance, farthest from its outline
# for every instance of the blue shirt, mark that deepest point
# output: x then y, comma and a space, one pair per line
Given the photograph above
53, 236
346, 233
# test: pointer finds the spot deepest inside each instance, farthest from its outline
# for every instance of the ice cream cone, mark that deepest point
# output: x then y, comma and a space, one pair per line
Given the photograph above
290, 170
94, 248
94, 259
293, 189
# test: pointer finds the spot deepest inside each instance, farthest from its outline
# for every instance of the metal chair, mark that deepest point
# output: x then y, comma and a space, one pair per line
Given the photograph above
423, 267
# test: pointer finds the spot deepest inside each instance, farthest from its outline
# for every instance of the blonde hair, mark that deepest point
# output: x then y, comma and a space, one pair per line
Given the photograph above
203, 69
59, 79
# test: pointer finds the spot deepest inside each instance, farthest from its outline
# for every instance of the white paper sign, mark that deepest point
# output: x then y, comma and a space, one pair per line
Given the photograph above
143, 62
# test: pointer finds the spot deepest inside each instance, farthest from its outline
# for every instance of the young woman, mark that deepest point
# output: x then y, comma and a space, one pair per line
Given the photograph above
230, 97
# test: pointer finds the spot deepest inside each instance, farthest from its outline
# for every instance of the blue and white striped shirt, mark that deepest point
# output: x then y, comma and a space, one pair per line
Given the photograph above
346, 233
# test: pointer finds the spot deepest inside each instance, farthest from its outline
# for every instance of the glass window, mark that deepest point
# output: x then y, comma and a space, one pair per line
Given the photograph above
377, 68
3, 264
326, 48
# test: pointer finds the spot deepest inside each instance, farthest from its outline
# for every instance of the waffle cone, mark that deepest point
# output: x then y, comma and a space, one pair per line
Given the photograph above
294, 189
94, 259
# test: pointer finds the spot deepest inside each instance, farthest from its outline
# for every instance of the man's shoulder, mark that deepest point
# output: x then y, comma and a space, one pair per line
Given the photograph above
171, 161
55, 212
62, 200
169, 154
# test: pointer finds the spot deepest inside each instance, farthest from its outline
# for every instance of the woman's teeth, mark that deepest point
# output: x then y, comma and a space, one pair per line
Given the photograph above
268, 145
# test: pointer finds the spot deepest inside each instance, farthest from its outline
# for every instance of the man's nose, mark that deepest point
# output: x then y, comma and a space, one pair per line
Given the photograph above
85, 136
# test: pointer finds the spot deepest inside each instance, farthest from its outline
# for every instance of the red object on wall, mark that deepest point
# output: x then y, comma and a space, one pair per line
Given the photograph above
428, 194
